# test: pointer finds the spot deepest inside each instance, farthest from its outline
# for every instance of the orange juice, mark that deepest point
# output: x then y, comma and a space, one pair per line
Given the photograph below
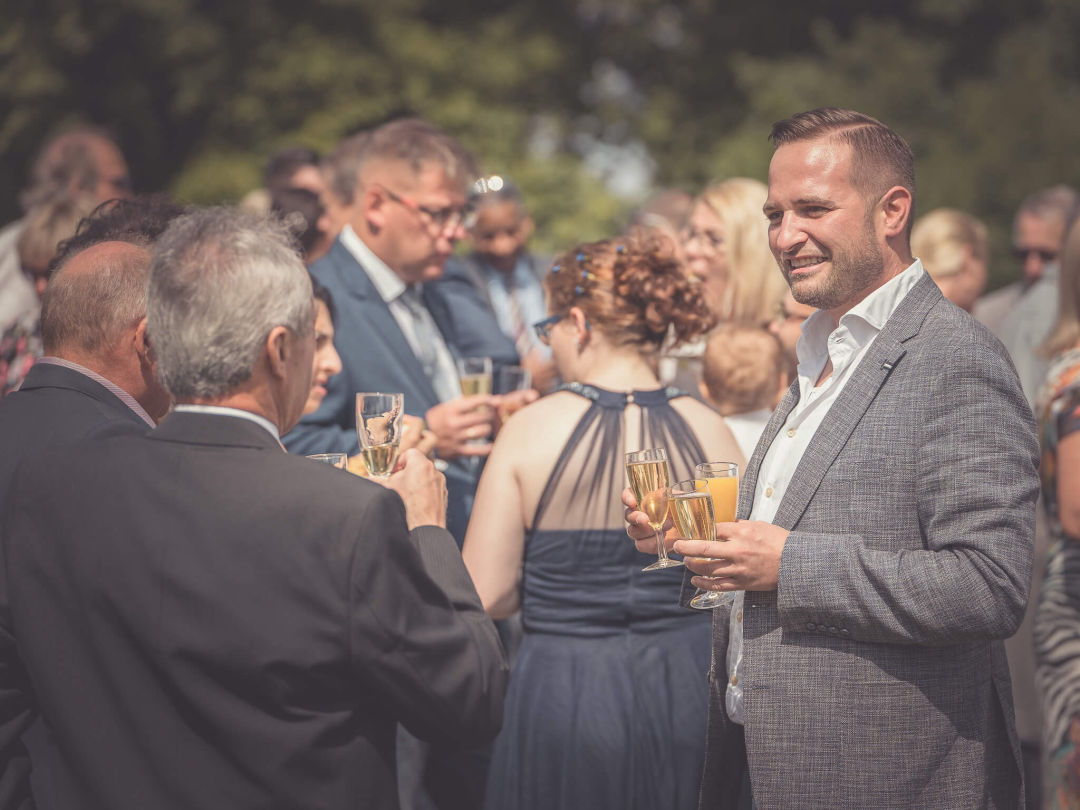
725, 496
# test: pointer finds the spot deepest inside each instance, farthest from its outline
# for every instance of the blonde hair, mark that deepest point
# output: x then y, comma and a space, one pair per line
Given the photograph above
742, 369
940, 239
47, 226
1066, 331
755, 285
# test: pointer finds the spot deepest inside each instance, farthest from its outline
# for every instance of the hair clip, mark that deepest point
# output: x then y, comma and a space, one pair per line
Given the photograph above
581, 257
620, 249
556, 268
579, 290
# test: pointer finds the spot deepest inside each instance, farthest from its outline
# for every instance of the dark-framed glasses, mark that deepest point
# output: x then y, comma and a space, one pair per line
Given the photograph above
442, 219
543, 328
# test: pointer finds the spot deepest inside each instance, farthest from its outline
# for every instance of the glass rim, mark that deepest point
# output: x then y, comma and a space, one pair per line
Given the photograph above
662, 454
717, 469
380, 394
691, 493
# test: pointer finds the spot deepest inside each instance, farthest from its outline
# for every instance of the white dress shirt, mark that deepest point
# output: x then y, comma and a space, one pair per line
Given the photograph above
221, 410
845, 344
392, 290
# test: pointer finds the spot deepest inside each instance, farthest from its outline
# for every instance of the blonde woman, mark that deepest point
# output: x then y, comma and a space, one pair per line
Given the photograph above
727, 249
952, 247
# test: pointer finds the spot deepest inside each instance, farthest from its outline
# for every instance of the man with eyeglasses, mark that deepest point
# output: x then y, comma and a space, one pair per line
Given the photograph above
1022, 313
400, 327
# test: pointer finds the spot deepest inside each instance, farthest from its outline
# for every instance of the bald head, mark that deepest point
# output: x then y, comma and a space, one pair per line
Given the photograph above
93, 299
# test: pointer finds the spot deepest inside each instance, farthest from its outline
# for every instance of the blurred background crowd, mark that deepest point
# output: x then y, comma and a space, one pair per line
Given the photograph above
640, 124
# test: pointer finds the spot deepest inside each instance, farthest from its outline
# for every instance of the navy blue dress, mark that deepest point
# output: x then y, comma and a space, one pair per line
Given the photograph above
608, 696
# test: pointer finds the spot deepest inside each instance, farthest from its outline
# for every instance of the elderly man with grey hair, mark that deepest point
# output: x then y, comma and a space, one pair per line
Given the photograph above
202, 619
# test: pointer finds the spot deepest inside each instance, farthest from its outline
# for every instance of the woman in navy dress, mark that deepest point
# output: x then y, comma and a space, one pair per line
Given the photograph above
607, 701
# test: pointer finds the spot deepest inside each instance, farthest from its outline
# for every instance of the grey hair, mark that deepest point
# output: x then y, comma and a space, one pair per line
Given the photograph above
1057, 202
220, 281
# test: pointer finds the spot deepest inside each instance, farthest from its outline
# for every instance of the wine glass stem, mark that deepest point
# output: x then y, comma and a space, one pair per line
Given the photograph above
661, 552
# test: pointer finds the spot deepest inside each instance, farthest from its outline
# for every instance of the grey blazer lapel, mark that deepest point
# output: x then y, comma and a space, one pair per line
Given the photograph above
867, 379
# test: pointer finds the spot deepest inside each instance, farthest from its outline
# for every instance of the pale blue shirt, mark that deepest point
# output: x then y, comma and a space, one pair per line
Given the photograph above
845, 344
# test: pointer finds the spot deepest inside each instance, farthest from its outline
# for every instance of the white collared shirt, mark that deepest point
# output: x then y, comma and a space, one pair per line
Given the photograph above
845, 344
221, 410
391, 288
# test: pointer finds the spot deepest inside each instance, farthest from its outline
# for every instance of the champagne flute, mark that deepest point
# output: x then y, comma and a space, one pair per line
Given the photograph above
512, 378
692, 508
379, 419
650, 478
339, 460
721, 479
474, 374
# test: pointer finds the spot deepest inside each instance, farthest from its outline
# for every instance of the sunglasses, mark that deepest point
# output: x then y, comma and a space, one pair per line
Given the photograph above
1021, 254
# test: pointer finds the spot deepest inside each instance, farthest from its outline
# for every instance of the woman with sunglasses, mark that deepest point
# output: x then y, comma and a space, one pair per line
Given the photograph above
597, 715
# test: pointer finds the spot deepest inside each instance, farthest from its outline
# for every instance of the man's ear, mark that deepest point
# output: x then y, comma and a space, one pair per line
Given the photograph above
278, 348
895, 208
142, 343
372, 202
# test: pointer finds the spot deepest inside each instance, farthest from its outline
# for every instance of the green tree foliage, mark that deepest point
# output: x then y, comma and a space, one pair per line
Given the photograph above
200, 93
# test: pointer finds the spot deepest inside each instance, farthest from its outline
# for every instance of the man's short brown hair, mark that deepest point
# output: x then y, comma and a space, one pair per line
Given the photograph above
880, 159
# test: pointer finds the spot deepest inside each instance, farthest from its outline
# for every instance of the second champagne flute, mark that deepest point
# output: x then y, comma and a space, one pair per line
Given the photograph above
692, 508
474, 374
721, 479
649, 479
379, 419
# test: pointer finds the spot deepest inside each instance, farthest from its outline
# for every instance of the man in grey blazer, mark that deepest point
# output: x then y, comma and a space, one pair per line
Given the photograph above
887, 516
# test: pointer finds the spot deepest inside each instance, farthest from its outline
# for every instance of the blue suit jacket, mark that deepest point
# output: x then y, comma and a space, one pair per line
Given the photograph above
375, 356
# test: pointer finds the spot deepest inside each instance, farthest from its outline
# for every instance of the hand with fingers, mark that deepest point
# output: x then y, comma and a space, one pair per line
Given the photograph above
744, 557
457, 422
639, 530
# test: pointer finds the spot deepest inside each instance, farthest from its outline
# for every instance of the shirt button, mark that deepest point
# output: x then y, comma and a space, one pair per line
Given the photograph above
738, 616
734, 680
768, 492
791, 432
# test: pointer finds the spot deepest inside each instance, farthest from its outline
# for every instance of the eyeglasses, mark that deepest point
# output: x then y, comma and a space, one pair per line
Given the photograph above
1021, 254
442, 219
713, 241
543, 328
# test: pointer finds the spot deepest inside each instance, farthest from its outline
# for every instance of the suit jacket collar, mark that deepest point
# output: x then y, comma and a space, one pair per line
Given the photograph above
867, 380
47, 375
354, 279
214, 430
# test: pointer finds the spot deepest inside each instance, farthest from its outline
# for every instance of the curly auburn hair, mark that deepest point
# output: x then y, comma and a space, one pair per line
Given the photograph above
632, 288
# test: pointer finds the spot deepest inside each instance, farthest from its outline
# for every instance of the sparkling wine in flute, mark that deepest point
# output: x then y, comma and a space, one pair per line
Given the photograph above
649, 481
475, 384
379, 458
650, 478
694, 515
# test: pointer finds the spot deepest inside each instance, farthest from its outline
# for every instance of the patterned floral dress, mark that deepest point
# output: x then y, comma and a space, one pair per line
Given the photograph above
1057, 618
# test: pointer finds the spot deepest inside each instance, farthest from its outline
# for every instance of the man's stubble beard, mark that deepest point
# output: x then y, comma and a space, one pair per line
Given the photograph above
850, 275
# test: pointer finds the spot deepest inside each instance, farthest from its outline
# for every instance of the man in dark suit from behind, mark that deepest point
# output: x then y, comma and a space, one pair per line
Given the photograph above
203, 620
99, 372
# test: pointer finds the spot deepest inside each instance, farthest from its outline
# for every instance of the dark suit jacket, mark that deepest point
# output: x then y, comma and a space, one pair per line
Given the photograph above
56, 407
874, 676
207, 621
375, 356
